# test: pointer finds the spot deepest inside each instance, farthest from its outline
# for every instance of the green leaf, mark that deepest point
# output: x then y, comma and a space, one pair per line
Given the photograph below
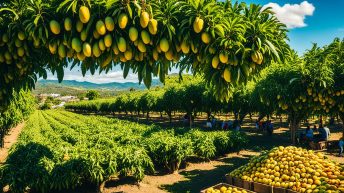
126, 70
130, 11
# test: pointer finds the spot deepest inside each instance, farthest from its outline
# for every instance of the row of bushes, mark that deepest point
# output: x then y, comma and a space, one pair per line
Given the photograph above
19, 108
62, 150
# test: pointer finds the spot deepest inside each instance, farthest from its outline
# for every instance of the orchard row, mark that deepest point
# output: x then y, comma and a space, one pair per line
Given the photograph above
63, 150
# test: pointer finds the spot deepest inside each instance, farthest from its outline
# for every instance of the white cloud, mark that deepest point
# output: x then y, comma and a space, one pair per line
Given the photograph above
114, 76
293, 15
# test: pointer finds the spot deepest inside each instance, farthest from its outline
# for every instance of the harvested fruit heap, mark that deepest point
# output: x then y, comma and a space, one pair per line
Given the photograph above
147, 37
294, 168
224, 189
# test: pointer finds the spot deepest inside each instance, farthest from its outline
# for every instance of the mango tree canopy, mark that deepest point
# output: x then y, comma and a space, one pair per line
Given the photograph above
226, 42
313, 84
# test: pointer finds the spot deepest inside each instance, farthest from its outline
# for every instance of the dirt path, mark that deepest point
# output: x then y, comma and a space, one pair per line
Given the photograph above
195, 177
10, 139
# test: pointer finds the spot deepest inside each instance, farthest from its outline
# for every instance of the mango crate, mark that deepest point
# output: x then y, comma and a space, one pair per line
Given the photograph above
262, 188
229, 179
239, 182
218, 186
279, 190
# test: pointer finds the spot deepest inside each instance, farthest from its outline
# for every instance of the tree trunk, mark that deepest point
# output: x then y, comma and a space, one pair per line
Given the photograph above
147, 115
236, 115
208, 115
190, 118
169, 113
294, 125
261, 117
341, 115
293, 128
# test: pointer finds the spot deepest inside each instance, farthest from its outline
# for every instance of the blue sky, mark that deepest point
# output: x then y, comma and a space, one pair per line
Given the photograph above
322, 26
312, 21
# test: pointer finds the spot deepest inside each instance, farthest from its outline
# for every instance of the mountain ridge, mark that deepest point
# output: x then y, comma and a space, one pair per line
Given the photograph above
97, 86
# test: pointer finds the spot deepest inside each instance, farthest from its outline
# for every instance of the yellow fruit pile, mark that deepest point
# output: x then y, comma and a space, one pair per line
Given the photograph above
294, 168
224, 189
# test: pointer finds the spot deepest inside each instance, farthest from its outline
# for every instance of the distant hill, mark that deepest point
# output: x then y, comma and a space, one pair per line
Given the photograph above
90, 85
72, 87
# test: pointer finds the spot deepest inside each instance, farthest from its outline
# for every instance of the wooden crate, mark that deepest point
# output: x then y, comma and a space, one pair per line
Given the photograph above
291, 191
279, 190
261, 188
229, 179
218, 186
238, 182
247, 185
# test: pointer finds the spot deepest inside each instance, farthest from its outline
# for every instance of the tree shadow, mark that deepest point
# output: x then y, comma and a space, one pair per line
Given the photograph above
261, 141
201, 179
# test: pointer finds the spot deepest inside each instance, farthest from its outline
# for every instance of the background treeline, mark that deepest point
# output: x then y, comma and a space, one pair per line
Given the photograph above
188, 95
312, 84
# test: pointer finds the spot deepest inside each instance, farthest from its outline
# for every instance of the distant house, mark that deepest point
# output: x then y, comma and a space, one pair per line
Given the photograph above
68, 98
59, 105
49, 95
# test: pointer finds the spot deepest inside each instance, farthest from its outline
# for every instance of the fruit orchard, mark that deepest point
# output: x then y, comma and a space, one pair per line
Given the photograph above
243, 62
62, 150
189, 95
227, 42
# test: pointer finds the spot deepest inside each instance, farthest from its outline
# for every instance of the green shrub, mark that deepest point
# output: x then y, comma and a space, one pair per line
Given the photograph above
203, 144
222, 142
168, 150
239, 140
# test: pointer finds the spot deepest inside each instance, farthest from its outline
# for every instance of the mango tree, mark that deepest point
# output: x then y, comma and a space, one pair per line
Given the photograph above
334, 55
171, 101
241, 102
295, 89
227, 42
210, 104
